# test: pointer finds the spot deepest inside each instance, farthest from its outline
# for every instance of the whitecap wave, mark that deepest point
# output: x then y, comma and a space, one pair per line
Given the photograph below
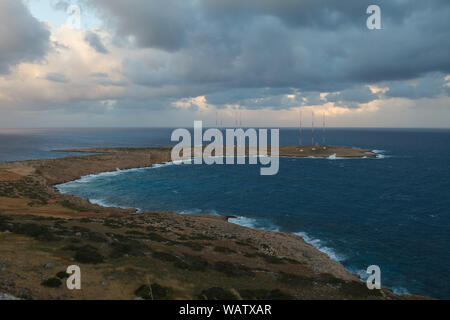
380, 154
319, 245
99, 202
243, 221
199, 211
90, 177
332, 157
335, 157
254, 223
105, 204
191, 211
165, 164
400, 291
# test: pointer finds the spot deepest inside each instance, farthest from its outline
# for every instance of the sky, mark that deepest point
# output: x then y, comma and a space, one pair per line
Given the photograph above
145, 63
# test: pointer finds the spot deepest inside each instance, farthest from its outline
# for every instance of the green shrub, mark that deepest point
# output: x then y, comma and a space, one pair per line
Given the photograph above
232, 270
159, 292
88, 254
155, 292
187, 262
295, 280
195, 263
193, 245
224, 250
263, 294
143, 292
216, 293
272, 259
62, 275
72, 206
38, 232
157, 238
200, 236
96, 237
52, 283
128, 247
135, 233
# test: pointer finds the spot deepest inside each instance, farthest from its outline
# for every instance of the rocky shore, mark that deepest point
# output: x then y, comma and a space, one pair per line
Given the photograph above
153, 255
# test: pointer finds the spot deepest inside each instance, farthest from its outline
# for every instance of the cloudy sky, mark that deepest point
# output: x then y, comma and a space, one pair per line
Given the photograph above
169, 62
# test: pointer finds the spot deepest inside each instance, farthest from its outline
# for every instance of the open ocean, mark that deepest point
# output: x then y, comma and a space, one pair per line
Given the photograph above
392, 211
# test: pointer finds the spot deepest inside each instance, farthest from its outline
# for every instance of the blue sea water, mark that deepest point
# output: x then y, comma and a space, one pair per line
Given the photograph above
392, 211
31, 144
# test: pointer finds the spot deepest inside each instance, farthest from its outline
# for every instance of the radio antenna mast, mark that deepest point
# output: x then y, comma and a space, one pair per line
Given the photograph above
300, 128
323, 132
312, 129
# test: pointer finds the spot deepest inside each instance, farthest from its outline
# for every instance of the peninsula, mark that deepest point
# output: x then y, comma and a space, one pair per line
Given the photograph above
153, 255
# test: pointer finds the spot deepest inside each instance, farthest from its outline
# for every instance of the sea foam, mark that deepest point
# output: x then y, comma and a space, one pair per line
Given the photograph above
254, 224
319, 245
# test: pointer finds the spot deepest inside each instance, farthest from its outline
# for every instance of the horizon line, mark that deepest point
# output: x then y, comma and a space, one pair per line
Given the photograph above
224, 127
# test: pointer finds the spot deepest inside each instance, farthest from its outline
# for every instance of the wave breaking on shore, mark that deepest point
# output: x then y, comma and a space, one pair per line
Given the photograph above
317, 243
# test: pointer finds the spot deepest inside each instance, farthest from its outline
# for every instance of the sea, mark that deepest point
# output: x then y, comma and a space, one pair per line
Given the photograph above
392, 211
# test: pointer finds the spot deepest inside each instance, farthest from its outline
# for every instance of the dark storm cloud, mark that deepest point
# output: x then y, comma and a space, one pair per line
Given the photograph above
429, 86
256, 98
22, 37
323, 14
157, 23
95, 42
227, 48
353, 95
311, 13
140, 74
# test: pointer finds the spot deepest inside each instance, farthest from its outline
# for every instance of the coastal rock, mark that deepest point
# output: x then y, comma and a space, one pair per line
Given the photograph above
6, 296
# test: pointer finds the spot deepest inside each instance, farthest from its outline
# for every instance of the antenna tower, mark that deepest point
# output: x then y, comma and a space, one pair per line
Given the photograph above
300, 128
323, 131
312, 128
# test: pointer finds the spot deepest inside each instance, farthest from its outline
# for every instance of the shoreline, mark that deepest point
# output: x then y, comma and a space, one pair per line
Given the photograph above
330, 252
286, 153
277, 249
300, 234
